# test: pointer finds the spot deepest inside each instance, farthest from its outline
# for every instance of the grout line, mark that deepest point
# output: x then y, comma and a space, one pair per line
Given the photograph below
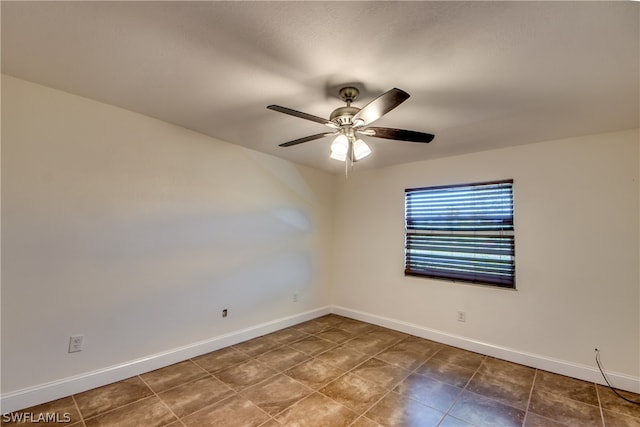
162, 401
391, 390
265, 412
235, 394
99, 414
273, 417
600, 405
415, 371
204, 374
563, 396
230, 366
121, 406
368, 408
533, 383
472, 375
463, 388
78, 409
350, 371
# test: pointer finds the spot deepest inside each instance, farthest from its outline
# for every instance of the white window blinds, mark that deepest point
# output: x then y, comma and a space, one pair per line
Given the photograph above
461, 232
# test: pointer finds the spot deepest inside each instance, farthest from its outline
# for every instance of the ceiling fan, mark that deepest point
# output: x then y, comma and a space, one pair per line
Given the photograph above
347, 123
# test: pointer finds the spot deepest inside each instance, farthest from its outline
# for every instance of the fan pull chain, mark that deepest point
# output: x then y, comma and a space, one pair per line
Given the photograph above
348, 163
346, 168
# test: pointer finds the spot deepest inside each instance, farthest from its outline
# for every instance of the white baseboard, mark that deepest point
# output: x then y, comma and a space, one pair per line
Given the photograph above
20, 399
563, 367
25, 398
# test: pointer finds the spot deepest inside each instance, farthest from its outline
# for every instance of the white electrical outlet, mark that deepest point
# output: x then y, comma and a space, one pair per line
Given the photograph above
295, 297
75, 343
462, 316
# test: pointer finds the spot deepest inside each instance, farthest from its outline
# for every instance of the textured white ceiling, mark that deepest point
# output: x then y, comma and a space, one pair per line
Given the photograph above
481, 75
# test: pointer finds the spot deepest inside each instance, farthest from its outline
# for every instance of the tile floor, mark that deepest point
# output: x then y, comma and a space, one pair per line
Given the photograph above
333, 371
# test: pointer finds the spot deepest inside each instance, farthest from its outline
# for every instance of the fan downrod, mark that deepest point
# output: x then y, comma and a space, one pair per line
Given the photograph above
342, 115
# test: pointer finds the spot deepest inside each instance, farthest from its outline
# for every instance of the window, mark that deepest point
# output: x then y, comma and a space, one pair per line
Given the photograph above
461, 232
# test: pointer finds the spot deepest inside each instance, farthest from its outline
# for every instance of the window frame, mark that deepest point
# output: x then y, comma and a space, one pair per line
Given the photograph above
503, 235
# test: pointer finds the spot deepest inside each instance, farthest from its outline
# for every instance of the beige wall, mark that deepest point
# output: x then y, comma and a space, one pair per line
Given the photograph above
136, 233
577, 250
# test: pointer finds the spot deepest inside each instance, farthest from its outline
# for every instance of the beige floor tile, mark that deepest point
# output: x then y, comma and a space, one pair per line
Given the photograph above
482, 411
429, 391
353, 326
258, 345
314, 373
397, 410
613, 403
276, 394
193, 396
270, 423
317, 410
504, 391
336, 335
312, 345
382, 373
235, 411
328, 320
246, 374
450, 421
343, 357
535, 420
372, 343
288, 335
103, 399
408, 353
364, 422
354, 392
507, 371
420, 345
440, 370
173, 375
564, 410
616, 419
283, 358
457, 356
572, 388
221, 359
312, 327
149, 412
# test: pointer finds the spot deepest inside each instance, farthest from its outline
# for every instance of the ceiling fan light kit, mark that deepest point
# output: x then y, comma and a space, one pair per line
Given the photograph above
348, 122
340, 146
360, 149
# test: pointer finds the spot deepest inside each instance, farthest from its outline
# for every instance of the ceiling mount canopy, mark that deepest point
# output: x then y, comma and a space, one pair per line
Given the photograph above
348, 122
348, 94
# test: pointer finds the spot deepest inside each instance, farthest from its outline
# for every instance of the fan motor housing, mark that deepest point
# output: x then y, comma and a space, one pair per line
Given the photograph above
343, 115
